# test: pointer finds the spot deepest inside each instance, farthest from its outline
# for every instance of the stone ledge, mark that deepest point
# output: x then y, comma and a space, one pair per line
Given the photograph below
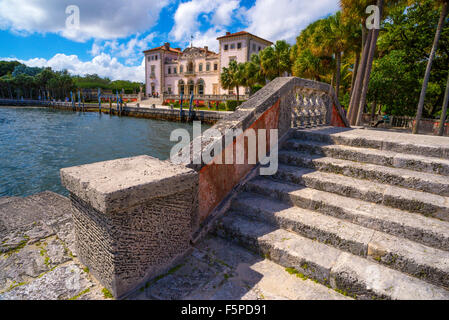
111, 186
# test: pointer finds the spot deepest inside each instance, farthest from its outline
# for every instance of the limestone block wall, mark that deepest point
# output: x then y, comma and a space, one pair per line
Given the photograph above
133, 218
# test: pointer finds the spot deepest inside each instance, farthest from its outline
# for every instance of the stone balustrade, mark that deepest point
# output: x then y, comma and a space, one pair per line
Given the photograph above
136, 217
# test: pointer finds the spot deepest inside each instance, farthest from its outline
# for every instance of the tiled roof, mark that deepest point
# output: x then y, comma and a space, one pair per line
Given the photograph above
242, 33
164, 48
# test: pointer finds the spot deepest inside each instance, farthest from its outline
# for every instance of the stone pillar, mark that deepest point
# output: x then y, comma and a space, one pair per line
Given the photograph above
133, 218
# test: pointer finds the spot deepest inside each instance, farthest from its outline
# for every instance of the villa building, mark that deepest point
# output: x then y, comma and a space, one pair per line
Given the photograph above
197, 70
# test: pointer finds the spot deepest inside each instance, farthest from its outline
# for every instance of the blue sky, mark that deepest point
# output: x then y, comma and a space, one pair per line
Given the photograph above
112, 34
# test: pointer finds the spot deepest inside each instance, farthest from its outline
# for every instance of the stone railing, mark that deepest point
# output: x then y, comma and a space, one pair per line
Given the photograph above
137, 217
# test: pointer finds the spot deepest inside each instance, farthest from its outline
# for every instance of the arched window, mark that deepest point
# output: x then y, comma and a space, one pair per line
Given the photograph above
200, 67
200, 86
191, 86
208, 66
181, 87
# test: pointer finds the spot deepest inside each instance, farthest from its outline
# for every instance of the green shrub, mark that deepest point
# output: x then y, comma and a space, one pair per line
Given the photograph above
231, 105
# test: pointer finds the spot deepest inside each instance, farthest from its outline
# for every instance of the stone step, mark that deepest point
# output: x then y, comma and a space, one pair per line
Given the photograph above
413, 226
382, 140
345, 272
219, 269
366, 155
416, 259
427, 182
428, 204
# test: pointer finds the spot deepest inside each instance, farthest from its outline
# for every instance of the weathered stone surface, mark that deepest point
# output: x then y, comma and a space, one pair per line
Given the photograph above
133, 218
345, 272
40, 266
415, 227
401, 198
407, 256
26, 220
427, 182
114, 185
368, 280
311, 224
351, 196
64, 282
405, 143
221, 270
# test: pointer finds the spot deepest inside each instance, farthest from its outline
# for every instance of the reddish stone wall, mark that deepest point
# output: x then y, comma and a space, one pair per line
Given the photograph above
336, 119
217, 180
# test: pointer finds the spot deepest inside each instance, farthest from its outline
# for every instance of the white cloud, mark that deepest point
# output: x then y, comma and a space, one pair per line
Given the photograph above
190, 15
284, 19
103, 64
98, 19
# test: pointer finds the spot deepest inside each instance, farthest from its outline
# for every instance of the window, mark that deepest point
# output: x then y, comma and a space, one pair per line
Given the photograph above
232, 59
169, 89
191, 86
200, 86
208, 66
259, 48
226, 47
181, 87
175, 71
254, 47
215, 66
200, 67
155, 57
153, 68
190, 67
232, 46
181, 68
169, 70
239, 45
149, 58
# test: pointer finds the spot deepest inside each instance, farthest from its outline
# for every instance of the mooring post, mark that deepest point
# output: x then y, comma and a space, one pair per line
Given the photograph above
79, 100
99, 100
116, 98
180, 111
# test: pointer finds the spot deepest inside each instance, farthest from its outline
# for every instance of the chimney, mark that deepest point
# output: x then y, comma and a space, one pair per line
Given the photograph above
167, 45
228, 33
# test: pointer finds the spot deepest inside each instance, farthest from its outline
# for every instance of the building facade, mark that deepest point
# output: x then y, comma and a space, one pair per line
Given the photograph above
197, 70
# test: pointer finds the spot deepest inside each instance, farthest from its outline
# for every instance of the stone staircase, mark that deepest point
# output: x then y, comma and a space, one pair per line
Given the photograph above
363, 212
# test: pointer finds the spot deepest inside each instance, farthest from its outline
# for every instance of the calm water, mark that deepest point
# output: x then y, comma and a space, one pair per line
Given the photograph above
36, 142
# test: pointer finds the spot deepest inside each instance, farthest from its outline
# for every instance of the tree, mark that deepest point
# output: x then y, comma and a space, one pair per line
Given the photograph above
444, 110
275, 60
331, 39
444, 13
233, 77
253, 72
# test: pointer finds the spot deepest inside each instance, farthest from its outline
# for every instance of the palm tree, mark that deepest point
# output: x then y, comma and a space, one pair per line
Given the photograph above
253, 72
331, 39
233, 77
444, 13
275, 60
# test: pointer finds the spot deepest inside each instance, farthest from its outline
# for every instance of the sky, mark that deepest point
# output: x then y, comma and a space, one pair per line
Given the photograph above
111, 35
